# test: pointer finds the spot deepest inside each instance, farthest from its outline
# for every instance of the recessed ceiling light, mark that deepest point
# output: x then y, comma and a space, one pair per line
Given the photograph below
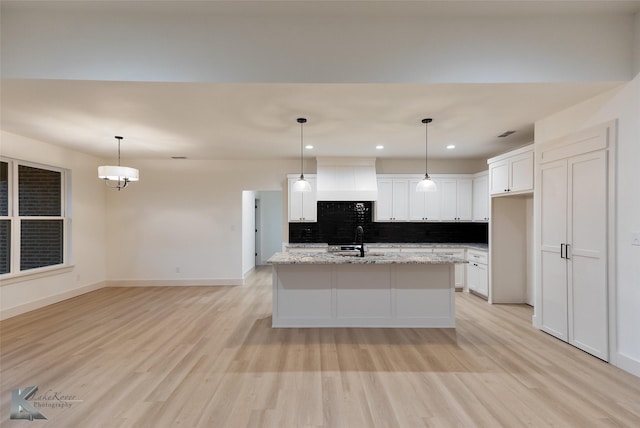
308, 147
379, 147
451, 146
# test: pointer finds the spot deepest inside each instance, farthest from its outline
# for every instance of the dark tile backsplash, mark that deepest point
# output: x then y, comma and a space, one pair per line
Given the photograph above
337, 223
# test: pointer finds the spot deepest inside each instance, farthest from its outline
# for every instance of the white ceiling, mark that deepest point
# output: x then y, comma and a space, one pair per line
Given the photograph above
258, 120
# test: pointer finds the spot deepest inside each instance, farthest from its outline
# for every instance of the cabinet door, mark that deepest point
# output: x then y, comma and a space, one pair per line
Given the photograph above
309, 202
449, 199
587, 254
464, 199
384, 204
295, 203
553, 236
433, 202
401, 199
481, 198
478, 278
521, 174
499, 177
482, 278
473, 282
417, 202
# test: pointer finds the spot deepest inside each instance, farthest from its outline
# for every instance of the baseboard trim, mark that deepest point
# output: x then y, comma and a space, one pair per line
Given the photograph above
40, 303
175, 282
628, 364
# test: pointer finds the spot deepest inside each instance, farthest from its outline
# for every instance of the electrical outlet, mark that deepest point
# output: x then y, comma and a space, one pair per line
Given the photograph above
635, 238
177, 270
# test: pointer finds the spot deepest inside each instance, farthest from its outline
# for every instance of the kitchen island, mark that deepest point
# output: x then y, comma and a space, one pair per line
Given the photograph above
402, 290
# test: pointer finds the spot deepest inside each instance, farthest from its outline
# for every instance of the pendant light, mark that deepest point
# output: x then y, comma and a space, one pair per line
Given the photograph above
117, 177
426, 184
301, 185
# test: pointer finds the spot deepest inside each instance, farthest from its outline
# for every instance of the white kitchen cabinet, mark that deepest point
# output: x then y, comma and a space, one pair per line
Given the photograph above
481, 197
573, 251
424, 206
575, 193
456, 202
512, 172
477, 274
302, 205
459, 267
393, 199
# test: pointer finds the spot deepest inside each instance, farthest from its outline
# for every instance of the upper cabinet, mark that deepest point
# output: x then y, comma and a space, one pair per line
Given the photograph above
399, 201
302, 205
481, 197
393, 199
456, 199
511, 172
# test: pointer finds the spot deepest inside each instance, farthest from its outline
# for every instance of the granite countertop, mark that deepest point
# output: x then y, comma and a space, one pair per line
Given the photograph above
302, 258
474, 245
428, 245
306, 245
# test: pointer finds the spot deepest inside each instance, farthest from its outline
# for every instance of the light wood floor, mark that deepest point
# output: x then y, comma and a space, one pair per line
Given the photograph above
207, 356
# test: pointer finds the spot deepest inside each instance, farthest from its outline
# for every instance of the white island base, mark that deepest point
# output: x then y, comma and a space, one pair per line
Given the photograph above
363, 295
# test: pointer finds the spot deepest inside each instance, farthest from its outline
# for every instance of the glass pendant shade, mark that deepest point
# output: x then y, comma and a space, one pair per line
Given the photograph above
301, 185
426, 185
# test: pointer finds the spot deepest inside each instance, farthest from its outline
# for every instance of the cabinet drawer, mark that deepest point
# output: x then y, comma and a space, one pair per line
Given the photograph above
417, 250
455, 252
477, 256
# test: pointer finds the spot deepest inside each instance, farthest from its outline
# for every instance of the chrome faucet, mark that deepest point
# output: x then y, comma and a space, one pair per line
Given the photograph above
360, 235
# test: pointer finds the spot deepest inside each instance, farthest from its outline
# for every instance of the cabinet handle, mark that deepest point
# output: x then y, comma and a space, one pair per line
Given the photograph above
562, 251
566, 252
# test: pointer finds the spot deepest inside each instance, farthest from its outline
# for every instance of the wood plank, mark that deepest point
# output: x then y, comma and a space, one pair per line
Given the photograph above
207, 356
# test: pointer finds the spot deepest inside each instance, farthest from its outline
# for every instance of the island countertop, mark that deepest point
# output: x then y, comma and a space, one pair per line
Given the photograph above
322, 258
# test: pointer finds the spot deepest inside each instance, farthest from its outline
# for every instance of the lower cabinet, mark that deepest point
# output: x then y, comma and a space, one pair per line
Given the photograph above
477, 274
459, 270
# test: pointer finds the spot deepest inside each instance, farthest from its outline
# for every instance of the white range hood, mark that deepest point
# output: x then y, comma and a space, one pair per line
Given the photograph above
346, 179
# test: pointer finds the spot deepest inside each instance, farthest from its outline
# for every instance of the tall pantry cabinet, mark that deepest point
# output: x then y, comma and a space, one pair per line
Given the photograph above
575, 189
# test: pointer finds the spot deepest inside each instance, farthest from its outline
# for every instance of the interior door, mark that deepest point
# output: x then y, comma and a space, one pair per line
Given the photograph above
553, 266
587, 254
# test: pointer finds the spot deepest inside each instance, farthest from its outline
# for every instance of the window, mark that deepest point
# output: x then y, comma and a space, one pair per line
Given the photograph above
33, 223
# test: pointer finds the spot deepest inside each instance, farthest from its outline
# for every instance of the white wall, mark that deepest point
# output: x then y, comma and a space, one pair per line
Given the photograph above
436, 166
622, 104
88, 229
186, 214
287, 42
636, 45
